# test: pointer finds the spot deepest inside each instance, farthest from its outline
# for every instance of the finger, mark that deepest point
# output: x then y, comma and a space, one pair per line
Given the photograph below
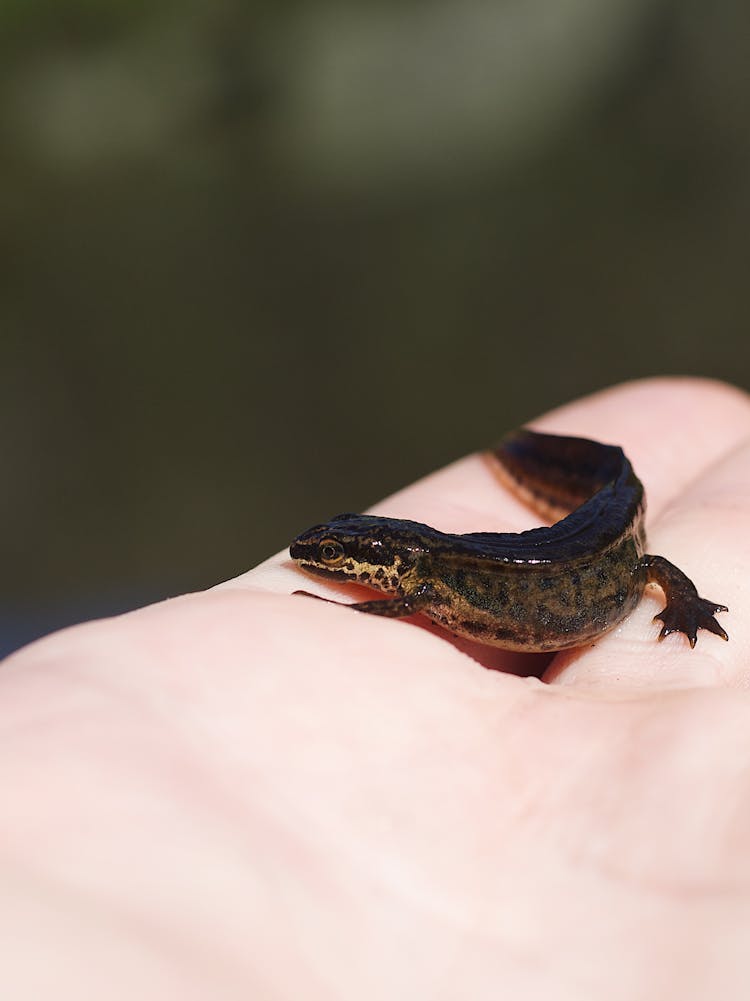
670, 429
705, 530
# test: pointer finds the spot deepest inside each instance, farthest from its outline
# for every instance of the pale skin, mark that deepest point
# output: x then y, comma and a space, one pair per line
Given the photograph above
247, 794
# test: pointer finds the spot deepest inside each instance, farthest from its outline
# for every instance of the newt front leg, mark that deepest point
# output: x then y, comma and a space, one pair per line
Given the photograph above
685, 612
392, 608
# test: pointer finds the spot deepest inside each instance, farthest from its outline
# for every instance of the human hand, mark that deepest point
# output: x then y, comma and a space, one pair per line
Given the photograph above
242, 793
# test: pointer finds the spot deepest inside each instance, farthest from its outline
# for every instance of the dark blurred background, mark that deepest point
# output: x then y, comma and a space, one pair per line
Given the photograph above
262, 262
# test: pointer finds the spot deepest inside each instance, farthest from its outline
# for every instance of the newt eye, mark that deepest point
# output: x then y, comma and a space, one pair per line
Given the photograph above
331, 551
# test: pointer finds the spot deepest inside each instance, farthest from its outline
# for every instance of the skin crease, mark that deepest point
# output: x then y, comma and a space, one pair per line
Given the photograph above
242, 793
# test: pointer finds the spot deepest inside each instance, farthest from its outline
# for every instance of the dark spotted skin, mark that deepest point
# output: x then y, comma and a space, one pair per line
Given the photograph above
545, 589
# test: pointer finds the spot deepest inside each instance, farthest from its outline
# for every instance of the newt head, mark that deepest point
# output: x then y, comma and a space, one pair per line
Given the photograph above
361, 548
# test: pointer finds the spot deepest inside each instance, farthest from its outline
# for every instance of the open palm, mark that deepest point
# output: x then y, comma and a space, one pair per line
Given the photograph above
247, 794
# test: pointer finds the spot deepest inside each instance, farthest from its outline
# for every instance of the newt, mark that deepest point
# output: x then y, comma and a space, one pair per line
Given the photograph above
545, 589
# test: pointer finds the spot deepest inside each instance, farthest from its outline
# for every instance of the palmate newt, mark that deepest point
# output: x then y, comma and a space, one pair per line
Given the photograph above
540, 590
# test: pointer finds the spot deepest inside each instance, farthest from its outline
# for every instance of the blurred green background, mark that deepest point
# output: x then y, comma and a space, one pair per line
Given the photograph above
262, 263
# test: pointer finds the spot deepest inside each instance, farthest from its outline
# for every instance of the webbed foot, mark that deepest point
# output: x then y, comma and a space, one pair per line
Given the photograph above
688, 616
685, 612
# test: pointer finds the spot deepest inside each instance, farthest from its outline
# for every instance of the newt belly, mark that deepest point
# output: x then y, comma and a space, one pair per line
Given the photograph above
545, 589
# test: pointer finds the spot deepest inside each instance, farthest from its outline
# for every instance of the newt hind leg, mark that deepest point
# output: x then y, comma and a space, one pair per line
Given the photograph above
685, 612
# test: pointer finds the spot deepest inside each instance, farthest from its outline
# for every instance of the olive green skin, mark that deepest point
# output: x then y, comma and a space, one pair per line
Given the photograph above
545, 607
542, 590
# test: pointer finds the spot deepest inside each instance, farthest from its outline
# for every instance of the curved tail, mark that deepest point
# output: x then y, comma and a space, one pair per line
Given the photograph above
555, 474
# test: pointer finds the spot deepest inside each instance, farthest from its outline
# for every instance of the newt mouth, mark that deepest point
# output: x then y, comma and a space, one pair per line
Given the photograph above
318, 571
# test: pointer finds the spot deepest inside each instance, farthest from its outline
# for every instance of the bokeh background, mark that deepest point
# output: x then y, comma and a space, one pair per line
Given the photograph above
263, 262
